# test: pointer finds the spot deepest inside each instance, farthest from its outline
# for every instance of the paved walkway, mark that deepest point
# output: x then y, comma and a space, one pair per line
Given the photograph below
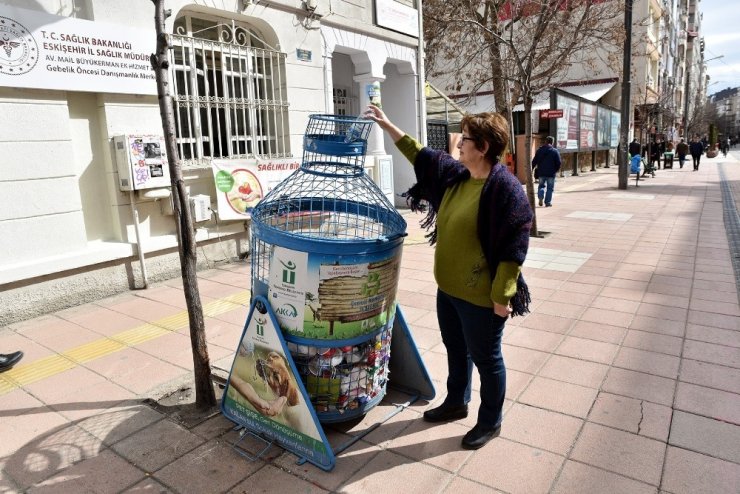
625, 378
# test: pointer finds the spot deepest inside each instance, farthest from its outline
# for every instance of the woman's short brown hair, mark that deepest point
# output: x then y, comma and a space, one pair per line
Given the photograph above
488, 127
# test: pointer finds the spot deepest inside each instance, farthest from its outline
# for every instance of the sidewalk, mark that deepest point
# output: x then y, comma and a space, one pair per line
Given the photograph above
625, 378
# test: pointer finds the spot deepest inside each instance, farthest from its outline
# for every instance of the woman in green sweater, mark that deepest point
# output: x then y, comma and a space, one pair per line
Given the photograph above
481, 220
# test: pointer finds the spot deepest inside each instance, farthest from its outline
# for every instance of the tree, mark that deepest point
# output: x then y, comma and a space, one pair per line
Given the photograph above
529, 46
204, 394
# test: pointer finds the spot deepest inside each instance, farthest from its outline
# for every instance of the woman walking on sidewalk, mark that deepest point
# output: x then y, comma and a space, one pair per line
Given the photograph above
481, 220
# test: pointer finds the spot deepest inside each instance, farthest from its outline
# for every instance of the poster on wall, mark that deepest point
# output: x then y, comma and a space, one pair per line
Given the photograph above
333, 297
603, 127
615, 129
567, 126
265, 394
587, 126
46, 51
241, 184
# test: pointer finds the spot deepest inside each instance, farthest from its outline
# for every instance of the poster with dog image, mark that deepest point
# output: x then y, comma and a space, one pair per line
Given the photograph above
265, 394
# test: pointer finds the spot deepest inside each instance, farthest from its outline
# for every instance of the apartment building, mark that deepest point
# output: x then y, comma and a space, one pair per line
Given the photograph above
84, 177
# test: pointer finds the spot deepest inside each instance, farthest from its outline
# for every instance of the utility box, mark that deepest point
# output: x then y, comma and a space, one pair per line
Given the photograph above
200, 205
141, 161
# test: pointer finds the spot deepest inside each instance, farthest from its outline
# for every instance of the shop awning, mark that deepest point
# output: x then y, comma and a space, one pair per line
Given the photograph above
591, 92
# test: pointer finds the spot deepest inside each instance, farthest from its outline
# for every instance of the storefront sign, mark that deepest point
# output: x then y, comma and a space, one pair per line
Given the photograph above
47, 51
587, 126
551, 114
567, 127
398, 17
241, 184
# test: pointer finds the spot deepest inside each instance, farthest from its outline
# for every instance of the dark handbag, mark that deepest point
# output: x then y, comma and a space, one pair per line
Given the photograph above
536, 172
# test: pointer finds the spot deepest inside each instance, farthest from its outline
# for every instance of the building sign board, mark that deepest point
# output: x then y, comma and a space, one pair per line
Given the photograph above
551, 114
45, 51
567, 127
397, 17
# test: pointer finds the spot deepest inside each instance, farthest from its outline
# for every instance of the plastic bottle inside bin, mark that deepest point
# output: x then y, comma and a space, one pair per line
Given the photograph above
354, 131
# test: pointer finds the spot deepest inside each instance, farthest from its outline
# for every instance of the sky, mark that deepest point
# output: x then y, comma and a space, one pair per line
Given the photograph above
722, 37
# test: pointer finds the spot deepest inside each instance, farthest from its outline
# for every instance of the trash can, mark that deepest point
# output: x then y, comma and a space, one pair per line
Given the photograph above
668, 160
326, 252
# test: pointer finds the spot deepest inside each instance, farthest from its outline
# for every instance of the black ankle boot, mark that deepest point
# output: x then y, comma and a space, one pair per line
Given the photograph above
446, 412
478, 436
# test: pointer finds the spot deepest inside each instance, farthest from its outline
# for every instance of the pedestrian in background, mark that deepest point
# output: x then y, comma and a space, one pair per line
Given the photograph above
547, 161
481, 219
682, 149
696, 148
634, 148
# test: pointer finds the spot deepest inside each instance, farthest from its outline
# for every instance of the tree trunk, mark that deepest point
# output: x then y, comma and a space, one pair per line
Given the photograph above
528, 101
204, 394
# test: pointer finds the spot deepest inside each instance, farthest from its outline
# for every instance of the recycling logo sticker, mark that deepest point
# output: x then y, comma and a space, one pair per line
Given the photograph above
18, 49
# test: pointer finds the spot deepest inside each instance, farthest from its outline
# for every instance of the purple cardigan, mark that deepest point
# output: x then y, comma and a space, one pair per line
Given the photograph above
504, 214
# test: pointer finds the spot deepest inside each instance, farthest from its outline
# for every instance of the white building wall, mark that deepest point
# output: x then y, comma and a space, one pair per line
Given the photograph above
65, 214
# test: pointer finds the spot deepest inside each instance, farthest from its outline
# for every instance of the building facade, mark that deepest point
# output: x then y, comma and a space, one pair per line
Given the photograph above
244, 78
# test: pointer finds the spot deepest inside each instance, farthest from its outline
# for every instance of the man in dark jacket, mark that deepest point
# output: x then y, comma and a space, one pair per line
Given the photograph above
696, 148
547, 161
634, 148
682, 150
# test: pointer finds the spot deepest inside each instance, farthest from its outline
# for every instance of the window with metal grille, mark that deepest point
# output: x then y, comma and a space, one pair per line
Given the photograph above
229, 90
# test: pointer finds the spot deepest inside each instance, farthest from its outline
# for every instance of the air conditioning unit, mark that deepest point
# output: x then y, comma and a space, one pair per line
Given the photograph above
200, 207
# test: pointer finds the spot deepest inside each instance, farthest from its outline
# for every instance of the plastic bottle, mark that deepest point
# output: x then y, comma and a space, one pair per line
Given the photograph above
354, 131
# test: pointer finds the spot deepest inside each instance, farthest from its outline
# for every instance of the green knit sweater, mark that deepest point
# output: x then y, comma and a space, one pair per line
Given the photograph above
460, 268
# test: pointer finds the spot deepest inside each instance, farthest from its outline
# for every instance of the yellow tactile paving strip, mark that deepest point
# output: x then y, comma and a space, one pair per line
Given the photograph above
25, 374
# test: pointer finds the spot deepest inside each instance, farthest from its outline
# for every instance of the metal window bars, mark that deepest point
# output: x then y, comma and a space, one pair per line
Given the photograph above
230, 97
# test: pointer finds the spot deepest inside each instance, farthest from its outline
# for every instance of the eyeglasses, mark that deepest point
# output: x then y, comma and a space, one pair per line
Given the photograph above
463, 138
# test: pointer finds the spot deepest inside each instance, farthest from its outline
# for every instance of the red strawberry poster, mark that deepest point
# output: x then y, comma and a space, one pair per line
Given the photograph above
241, 184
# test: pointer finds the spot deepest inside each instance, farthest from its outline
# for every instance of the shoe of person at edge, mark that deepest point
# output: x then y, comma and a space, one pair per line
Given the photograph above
479, 436
8, 360
540, 201
446, 412
548, 205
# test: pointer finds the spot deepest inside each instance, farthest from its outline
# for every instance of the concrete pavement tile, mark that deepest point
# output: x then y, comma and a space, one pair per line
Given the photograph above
574, 371
708, 402
615, 318
639, 385
426, 339
173, 348
628, 274
436, 364
62, 336
622, 293
359, 455
157, 445
518, 468
270, 479
460, 484
103, 473
715, 320
435, 444
534, 339
214, 427
559, 396
630, 455
411, 285
416, 299
594, 351
50, 452
577, 478
616, 304
522, 359
141, 308
588, 278
390, 429
653, 342
662, 312
90, 400
714, 354
584, 288
687, 472
667, 300
631, 415
710, 375
719, 336
632, 285
541, 429
135, 370
668, 289
211, 467
719, 286
658, 364
62, 386
560, 309
18, 402
653, 325
516, 382
726, 297
147, 486
545, 322
19, 430
237, 316
409, 475
117, 423
428, 320
571, 297
32, 351
711, 276
730, 309
167, 294
707, 436
598, 331
101, 320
